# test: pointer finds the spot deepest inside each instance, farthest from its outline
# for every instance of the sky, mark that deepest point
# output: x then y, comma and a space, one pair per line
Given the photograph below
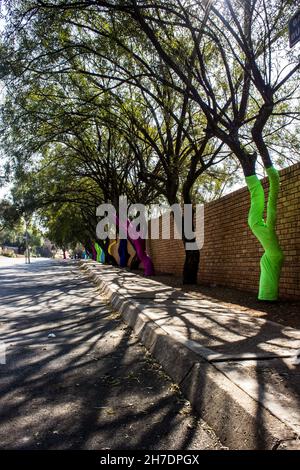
4, 191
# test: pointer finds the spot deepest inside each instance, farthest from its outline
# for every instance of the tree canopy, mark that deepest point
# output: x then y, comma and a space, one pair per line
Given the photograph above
164, 100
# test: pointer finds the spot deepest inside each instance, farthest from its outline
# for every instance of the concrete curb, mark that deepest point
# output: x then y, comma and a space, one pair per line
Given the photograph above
240, 421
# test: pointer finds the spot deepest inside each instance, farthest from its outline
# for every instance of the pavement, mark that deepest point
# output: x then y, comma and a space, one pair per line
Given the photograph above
238, 372
75, 376
6, 261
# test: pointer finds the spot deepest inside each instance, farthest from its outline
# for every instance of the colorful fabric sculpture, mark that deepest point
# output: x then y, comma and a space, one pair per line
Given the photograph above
264, 230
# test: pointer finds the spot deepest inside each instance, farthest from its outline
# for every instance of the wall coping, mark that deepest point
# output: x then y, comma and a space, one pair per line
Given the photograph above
282, 172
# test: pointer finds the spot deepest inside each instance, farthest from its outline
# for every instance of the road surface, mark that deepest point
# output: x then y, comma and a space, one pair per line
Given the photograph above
75, 377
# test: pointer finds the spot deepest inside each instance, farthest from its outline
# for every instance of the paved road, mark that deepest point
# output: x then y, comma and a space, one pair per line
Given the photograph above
92, 385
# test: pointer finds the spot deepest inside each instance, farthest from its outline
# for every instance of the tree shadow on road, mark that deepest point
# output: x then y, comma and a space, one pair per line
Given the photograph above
92, 386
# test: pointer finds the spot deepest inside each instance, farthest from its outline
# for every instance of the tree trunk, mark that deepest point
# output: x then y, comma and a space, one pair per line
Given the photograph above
109, 259
140, 248
265, 232
192, 257
94, 253
190, 268
123, 253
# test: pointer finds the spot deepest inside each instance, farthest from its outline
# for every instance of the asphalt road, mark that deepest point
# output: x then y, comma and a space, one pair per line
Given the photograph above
90, 384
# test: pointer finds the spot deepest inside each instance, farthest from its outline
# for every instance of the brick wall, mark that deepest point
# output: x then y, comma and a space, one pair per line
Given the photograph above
230, 255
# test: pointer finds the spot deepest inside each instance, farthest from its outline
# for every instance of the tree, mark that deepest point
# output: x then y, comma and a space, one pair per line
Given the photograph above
9, 215
246, 39
225, 57
165, 122
182, 152
65, 226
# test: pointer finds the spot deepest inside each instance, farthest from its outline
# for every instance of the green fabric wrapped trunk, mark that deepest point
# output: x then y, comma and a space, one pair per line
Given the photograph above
264, 230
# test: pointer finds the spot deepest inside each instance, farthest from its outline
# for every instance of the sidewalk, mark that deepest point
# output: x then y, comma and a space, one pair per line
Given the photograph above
236, 370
